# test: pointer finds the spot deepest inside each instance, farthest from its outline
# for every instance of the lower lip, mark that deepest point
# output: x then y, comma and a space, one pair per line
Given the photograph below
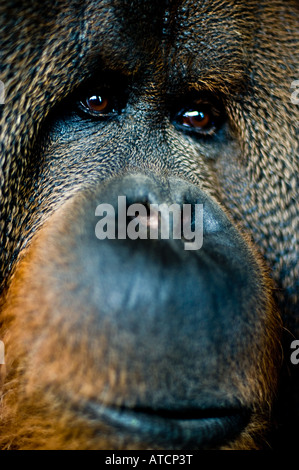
170, 432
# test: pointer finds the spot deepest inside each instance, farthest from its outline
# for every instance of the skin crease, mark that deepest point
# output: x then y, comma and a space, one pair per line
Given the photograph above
240, 56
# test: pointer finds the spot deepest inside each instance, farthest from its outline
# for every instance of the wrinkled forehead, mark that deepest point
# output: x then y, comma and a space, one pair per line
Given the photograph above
193, 39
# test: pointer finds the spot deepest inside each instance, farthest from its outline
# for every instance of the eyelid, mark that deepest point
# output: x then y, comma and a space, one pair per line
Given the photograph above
208, 130
110, 112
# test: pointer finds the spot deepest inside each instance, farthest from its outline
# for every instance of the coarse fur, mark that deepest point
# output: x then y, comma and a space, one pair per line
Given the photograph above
62, 349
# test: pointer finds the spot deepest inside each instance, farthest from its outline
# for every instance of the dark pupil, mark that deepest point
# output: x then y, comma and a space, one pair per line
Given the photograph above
96, 100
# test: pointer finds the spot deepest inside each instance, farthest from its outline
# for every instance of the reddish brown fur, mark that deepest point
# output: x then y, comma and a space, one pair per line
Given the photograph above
45, 57
33, 417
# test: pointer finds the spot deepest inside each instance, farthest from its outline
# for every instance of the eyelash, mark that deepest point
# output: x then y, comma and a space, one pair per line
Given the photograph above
112, 109
209, 121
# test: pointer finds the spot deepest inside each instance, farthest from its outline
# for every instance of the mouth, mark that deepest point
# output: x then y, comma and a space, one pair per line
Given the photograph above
179, 429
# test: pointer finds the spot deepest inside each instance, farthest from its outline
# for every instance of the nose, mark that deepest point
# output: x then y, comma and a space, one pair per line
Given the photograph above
168, 284
142, 208
141, 293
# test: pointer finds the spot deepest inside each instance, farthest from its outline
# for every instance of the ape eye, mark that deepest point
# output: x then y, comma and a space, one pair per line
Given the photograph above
98, 105
201, 120
196, 119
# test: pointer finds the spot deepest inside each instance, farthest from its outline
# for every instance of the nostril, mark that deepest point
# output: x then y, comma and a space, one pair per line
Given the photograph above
144, 217
136, 217
154, 221
138, 209
150, 221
